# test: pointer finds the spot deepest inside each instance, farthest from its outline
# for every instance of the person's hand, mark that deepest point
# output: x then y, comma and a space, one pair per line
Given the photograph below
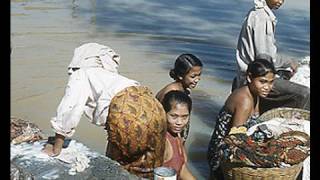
140, 166
50, 150
294, 66
54, 150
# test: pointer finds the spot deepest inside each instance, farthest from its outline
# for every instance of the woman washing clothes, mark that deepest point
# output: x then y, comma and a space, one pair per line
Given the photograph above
178, 108
134, 119
186, 74
240, 109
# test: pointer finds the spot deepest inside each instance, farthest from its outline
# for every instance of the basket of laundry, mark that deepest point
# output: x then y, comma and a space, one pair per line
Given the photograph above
261, 161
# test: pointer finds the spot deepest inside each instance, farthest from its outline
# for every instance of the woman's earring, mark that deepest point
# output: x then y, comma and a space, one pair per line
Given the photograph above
180, 78
249, 80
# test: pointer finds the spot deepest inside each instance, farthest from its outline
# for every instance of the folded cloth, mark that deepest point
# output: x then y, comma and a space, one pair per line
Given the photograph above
235, 130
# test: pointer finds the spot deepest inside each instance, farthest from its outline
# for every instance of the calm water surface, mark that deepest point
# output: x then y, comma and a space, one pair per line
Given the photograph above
149, 35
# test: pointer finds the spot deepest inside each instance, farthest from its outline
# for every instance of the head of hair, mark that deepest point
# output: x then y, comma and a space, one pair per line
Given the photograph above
183, 65
176, 97
260, 67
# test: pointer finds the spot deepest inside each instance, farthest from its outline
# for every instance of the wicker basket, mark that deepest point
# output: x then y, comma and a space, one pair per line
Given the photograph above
284, 112
233, 171
239, 172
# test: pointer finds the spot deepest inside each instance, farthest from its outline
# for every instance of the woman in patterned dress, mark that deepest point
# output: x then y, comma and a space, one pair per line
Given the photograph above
240, 109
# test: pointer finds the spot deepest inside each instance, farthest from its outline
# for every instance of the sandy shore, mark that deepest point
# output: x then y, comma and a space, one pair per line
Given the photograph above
44, 35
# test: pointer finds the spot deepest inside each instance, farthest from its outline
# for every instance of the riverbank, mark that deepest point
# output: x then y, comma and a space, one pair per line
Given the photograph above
148, 35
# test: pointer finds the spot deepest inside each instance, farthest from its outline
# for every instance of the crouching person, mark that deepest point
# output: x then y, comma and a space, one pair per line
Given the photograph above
134, 119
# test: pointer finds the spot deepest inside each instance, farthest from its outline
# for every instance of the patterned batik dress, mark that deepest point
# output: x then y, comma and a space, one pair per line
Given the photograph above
222, 128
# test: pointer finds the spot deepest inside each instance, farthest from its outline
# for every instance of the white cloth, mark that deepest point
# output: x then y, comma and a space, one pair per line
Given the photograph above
306, 169
89, 90
95, 55
281, 125
259, 3
302, 76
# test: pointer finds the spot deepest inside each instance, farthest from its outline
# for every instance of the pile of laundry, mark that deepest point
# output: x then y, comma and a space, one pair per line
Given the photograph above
24, 131
27, 142
279, 142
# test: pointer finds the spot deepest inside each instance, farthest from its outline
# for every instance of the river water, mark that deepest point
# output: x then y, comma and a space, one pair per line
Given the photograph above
148, 35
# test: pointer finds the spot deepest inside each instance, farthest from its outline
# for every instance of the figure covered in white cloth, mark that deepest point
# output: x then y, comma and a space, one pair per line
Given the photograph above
135, 121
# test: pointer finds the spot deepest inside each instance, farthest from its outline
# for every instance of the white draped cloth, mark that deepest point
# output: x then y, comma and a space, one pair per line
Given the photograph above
93, 82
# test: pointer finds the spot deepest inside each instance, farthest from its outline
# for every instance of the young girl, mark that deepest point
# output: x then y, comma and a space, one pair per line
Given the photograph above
240, 109
186, 73
177, 106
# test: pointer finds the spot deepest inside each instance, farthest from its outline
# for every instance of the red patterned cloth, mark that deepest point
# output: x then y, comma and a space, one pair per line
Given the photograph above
289, 148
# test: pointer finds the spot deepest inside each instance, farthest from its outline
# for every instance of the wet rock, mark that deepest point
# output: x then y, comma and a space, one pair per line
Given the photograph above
28, 162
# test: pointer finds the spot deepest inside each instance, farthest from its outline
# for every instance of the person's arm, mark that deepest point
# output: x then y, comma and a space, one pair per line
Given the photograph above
69, 111
262, 31
185, 173
242, 112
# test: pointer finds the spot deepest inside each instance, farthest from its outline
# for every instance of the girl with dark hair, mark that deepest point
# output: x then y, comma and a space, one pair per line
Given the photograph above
240, 109
177, 106
186, 74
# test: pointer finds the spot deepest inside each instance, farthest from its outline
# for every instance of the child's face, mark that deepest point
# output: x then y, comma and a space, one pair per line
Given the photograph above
274, 4
191, 79
177, 117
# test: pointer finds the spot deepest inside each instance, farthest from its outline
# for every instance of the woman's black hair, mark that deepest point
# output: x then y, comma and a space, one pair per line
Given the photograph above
183, 65
176, 97
260, 67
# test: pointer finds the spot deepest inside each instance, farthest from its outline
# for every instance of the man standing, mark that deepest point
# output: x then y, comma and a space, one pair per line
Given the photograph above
256, 41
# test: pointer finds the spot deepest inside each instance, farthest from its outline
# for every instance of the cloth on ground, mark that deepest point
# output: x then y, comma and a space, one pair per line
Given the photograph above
78, 159
24, 131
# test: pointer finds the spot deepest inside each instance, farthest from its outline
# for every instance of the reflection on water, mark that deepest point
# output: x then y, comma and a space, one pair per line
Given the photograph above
207, 28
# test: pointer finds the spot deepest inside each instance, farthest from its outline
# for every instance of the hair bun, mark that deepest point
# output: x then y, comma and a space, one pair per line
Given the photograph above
172, 74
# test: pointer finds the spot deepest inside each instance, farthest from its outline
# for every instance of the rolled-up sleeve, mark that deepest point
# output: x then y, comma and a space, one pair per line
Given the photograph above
72, 105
